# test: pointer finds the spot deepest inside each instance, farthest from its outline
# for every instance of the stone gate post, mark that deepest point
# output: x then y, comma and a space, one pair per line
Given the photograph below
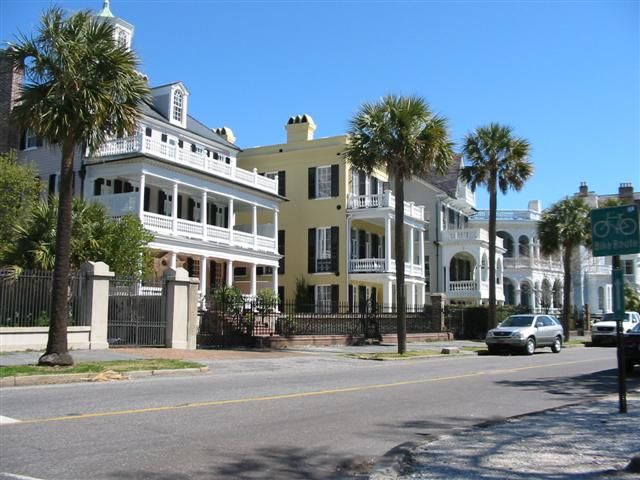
177, 307
438, 301
96, 305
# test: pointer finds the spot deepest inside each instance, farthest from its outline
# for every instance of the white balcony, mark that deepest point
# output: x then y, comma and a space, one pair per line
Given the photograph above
469, 234
523, 262
384, 200
509, 215
379, 265
141, 144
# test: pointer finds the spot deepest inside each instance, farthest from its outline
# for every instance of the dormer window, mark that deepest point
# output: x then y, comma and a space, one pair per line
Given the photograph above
178, 106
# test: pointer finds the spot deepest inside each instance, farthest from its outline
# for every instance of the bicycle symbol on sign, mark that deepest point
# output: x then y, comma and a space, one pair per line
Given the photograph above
618, 223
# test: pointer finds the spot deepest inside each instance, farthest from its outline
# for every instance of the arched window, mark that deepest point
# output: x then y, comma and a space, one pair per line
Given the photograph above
178, 105
523, 246
507, 243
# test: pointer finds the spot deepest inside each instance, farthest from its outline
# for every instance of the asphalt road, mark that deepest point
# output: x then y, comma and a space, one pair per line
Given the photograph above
310, 417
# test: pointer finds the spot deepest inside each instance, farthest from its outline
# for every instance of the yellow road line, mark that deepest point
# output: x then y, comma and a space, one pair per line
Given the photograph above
284, 396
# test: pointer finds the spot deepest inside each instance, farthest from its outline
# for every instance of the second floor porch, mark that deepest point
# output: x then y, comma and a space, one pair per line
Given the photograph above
375, 204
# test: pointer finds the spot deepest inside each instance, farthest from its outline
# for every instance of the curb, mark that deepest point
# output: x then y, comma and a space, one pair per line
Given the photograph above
32, 380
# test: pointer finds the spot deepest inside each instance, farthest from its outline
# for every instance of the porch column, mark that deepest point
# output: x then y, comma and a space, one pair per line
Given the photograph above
275, 229
174, 209
348, 244
232, 221
174, 259
203, 217
387, 244
253, 290
531, 254
274, 280
518, 299
254, 228
411, 250
141, 198
387, 291
420, 294
411, 295
203, 275
421, 250
229, 273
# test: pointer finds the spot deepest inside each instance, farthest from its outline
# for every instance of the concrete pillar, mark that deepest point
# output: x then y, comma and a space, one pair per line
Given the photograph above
141, 198
420, 294
421, 249
177, 310
193, 318
411, 295
232, 220
204, 263
203, 215
174, 208
229, 273
387, 292
174, 259
96, 306
438, 301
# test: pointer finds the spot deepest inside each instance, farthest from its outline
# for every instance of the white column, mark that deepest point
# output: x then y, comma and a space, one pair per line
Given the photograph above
141, 198
253, 291
255, 226
203, 215
387, 244
411, 293
275, 229
229, 273
349, 240
203, 275
421, 250
174, 209
411, 256
420, 294
232, 220
387, 291
274, 280
174, 259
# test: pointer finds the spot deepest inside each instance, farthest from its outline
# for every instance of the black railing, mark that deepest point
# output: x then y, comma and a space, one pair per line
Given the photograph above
253, 318
25, 299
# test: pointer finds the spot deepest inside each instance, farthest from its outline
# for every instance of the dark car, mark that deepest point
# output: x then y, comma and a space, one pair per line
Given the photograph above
632, 348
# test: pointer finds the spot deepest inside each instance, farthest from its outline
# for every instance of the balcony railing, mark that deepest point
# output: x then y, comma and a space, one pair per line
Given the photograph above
469, 234
463, 286
532, 262
198, 160
384, 200
379, 265
506, 215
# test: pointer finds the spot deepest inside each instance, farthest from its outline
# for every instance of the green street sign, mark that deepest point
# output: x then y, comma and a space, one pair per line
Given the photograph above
617, 281
614, 231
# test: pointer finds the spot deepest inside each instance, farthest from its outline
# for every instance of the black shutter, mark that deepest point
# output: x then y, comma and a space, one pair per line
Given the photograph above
163, 138
23, 140
128, 188
312, 182
281, 251
191, 204
226, 217
311, 266
350, 299
147, 132
52, 184
213, 273
374, 186
362, 241
179, 206
311, 296
335, 186
362, 183
97, 186
190, 266
147, 197
281, 301
117, 186
161, 197
335, 296
335, 242
282, 188
374, 300
375, 242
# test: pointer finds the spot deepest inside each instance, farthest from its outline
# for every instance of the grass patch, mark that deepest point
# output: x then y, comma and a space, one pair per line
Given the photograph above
119, 366
395, 356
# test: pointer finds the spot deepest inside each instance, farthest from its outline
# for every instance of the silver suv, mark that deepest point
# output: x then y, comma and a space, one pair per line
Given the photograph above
526, 332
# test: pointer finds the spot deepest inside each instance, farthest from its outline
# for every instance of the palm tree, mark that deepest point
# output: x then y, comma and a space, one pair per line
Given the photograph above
564, 227
498, 160
81, 88
403, 136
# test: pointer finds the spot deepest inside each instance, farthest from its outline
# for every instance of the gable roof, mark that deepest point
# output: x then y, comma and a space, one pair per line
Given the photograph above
448, 182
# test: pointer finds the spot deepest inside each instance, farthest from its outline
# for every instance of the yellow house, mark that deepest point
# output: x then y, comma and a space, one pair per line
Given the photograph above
336, 232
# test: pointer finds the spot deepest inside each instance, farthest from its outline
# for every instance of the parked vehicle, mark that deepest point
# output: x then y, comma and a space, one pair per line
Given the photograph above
526, 332
604, 331
632, 348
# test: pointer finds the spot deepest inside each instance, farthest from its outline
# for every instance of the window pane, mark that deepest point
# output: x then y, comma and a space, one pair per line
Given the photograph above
323, 180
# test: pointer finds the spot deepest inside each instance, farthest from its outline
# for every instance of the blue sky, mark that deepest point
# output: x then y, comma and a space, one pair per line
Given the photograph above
564, 75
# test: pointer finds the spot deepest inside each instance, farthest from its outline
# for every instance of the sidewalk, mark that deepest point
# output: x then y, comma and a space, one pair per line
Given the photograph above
587, 441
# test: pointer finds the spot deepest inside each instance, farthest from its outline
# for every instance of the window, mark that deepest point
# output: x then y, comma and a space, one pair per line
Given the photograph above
323, 249
323, 298
30, 140
240, 272
264, 270
281, 250
123, 38
323, 182
163, 138
627, 266
178, 105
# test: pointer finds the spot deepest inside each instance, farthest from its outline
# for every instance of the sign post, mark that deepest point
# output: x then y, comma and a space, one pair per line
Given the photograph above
615, 232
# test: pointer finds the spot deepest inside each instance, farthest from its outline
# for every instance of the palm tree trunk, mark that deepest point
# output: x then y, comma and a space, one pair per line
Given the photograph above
399, 238
493, 207
566, 293
57, 352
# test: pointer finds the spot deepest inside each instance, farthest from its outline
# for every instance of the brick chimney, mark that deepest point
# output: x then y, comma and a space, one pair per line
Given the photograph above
300, 128
584, 189
625, 192
10, 88
226, 133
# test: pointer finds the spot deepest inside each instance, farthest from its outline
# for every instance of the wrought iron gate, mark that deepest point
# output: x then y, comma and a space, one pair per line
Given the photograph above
136, 316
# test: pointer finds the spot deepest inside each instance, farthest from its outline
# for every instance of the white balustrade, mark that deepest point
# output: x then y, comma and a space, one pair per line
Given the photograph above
218, 234
385, 200
140, 143
119, 204
362, 265
156, 222
463, 286
242, 239
189, 229
266, 243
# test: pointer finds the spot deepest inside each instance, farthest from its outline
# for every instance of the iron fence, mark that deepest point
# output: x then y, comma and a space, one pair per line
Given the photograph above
255, 318
25, 299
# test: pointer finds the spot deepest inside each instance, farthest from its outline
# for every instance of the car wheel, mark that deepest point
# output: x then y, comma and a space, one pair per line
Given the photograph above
628, 367
530, 346
595, 341
557, 345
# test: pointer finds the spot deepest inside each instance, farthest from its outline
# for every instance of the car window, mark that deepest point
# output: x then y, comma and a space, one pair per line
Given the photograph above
636, 329
547, 321
517, 321
555, 321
